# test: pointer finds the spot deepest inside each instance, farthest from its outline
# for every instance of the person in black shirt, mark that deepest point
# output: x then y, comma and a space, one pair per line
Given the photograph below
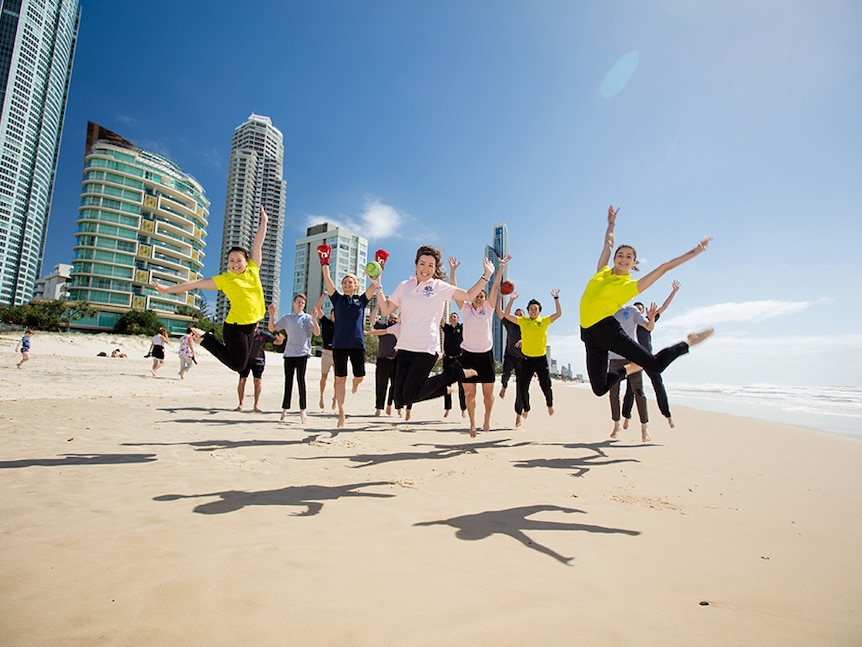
256, 365
327, 330
453, 335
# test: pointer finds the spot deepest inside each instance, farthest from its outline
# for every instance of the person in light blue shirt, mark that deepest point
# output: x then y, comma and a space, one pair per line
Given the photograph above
299, 326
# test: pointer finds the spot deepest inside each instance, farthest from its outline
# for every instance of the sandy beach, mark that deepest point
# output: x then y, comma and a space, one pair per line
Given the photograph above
145, 511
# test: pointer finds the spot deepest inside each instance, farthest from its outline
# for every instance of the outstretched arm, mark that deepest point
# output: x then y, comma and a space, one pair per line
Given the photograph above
559, 311
507, 315
662, 269
327, 280
372, 286
454, 264
674, 289
498, 278
651, 314
605, 256
257, 243
199, 284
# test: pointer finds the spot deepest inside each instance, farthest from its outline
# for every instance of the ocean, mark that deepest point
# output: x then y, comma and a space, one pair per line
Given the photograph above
833, 409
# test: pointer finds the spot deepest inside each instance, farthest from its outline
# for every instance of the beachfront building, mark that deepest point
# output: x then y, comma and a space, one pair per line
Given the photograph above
255, 178
494, 252
141, 218
55, 286
349, 255
37, 46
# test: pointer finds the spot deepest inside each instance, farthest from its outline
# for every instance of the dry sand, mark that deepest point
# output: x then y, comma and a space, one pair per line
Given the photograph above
145, 511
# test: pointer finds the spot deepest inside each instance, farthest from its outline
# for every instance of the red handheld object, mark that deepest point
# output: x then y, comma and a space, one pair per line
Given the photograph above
381, 256
324, 252
507, 287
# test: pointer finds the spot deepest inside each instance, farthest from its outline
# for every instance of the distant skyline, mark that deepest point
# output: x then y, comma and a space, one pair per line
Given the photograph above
415, 123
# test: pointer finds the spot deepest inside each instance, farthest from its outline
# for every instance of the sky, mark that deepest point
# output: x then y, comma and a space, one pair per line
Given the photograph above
430, 121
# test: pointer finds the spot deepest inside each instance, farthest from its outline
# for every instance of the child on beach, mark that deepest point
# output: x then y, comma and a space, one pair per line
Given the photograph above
186, 353
610, 288
157, 350
241, 285
24, 346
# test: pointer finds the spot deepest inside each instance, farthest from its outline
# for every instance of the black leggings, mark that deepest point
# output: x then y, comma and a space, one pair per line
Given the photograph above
608, 335
297, 365
529, 366
412, 381
384, 378
235, 352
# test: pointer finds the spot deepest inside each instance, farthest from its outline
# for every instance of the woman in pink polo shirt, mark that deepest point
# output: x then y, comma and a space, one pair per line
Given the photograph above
421, 299
478, 344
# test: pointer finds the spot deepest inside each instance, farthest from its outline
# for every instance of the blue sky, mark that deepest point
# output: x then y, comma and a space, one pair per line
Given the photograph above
428, 122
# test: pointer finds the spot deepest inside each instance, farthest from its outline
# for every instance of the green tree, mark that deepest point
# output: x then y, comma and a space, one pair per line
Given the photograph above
138, 322
52, 315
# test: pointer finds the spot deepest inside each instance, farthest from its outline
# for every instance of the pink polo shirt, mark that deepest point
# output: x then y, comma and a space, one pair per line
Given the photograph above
477, 329
421, 310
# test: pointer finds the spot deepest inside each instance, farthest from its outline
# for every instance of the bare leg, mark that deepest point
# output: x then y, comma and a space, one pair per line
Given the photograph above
322, 387
697, 337
240, 392
645, 434
488, 394
340, 389
470, 393
258, 387
356, 382
616, 430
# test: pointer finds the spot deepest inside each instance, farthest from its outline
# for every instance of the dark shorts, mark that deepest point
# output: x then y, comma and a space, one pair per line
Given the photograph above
158, 351
255, 369
357, 361
483, 363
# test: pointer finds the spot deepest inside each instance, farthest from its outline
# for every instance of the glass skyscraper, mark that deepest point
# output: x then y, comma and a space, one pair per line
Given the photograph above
37, 46
141, 218
255, 177
494, 252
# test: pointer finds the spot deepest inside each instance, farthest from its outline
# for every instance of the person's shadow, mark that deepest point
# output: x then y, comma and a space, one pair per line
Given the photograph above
513, 522
308, 496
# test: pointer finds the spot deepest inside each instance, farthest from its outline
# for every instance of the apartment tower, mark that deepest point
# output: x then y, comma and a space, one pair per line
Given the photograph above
494, 252
255, 177
37, 46
141, 219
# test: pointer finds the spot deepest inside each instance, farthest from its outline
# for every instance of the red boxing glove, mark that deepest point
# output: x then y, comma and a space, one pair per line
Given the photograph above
381, 256
324, 252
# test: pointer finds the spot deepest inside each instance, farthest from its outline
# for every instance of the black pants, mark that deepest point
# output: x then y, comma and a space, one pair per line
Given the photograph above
512, 364
447, 398
236, 350
412, 381
660, 396
294, 365
607, 335
384, 378
539, 367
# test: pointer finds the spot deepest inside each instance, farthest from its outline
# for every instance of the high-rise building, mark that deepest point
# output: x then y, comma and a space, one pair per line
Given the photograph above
141, 218
494, 252
349, 256
55, 286
255, 177
37, 46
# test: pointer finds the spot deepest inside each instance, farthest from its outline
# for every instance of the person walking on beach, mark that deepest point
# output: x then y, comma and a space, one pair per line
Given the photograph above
348, 340
478, 344
644, 338
630, 319
534, 344
422, 299
606, 292
513, 358
186, 353
327, 330
24, 347
241, 285
256, 366
299, 326
453, 335
157, 350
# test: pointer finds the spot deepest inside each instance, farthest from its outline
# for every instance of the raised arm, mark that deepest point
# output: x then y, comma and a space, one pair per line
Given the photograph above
257, 243
454, 264
199, 284
605, 256
674, 289
327, 280
662, 269
369, 291
273, 315
507, 314
559, 310
498, 278
470, 294
651, 314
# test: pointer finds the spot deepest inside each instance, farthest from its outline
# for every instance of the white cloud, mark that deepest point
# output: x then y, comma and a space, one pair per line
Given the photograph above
745, 312
376, 220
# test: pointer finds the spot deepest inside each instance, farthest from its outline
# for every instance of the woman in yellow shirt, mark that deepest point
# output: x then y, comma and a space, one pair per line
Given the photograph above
241, 285
609, 290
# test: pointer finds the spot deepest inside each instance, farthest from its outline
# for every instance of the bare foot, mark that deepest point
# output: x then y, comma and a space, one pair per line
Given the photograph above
517, 420
377, 412
321, 402
487, 426
626, 423
239, 408
463, 413
334, 406
616, 430
356, 382
472, 431
550, 411
526, 413
182, 376
398, 411
340, 424
669, 422
407, 415
302, 417
502, 393
151, 371
697, 337
283, 415
645, 434
388, 409
258, 409
446, 413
